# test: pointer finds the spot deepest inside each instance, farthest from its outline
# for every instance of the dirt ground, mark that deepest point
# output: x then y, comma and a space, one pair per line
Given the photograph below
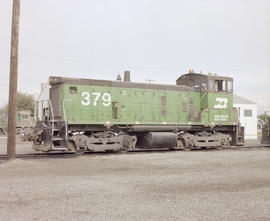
170, 185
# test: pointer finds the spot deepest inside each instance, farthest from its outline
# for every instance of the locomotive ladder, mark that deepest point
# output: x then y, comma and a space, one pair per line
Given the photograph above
54, 129
56, 138
53, 123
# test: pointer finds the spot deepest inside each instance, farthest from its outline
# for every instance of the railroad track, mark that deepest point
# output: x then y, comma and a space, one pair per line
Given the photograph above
40, 155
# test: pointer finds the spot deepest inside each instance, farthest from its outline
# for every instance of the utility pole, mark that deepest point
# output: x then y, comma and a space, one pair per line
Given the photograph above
13, 77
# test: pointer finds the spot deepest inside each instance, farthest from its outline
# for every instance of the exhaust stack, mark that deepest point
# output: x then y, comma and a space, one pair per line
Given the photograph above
127, 76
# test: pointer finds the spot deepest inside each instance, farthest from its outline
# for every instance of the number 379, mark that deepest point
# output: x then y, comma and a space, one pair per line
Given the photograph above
86, 98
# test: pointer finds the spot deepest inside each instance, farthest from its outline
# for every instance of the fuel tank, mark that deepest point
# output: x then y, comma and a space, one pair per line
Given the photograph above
157, 140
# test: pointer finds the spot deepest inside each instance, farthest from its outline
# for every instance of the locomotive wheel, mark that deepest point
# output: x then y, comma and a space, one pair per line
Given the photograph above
72, 148
125, 147
182, 145
179, 146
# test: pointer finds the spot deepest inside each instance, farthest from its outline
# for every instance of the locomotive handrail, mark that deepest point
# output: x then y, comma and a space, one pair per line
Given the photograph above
35, 112
52, 115
65, 117
52, 124
203, 95
51, 108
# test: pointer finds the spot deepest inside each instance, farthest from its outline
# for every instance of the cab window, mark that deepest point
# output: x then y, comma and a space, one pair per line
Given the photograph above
220, 85
230, 86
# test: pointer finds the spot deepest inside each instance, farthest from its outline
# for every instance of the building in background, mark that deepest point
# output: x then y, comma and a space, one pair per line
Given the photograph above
247, 111
24, 119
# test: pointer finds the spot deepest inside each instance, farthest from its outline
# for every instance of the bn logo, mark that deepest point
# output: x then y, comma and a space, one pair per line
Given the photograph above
221, 102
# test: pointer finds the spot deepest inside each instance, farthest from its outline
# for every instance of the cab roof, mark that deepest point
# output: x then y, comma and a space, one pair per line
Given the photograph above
207, 76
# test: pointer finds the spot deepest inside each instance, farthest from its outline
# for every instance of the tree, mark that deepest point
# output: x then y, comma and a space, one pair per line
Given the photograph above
25, 101
265, 117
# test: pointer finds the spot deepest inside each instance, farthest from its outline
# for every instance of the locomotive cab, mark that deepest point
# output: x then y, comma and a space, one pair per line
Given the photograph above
216, 91
216, 102
210, 83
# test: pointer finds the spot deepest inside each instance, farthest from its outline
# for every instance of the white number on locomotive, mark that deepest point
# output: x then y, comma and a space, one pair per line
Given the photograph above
106, 98
86, 98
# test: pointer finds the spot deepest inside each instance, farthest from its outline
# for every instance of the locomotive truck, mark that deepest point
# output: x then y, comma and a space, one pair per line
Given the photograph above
80, 115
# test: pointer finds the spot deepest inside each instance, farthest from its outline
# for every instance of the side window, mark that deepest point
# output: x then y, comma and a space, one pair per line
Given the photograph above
248, 113
73, 90
223, 85
216, 86
220, 85
211, 85
230, 86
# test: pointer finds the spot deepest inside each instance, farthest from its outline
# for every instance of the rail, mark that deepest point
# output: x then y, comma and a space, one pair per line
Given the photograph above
134, 151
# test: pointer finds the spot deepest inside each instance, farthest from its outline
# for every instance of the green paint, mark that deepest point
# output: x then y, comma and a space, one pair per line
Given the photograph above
143, 106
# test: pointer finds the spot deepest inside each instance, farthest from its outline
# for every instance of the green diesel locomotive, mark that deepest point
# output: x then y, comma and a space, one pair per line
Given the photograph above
81, 115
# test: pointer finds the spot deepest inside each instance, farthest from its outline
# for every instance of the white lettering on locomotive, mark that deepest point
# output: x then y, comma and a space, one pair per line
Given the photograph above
221, 117
106, 98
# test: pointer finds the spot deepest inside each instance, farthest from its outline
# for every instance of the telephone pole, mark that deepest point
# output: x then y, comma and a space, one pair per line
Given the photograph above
13, 77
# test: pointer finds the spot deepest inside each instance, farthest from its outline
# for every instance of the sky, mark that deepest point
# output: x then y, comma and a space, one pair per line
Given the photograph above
154, 39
